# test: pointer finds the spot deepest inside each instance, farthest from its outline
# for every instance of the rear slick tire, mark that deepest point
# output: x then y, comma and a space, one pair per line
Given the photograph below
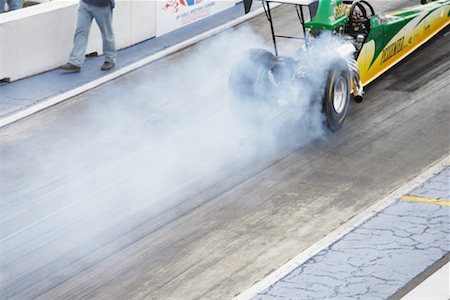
249, 85
337, 96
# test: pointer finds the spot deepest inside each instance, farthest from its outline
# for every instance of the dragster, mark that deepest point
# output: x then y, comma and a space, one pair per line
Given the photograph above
375, 41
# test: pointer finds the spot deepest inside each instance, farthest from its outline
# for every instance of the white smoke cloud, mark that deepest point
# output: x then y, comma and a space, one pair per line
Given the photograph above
139, 146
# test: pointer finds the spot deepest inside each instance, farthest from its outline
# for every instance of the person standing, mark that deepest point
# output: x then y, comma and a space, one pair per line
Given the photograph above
12, 5
101, 11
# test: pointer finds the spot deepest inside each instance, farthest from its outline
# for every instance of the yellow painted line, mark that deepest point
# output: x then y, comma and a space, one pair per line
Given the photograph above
425, 200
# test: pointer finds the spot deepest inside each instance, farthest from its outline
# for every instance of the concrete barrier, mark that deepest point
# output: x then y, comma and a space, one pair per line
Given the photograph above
39, 38
36, 39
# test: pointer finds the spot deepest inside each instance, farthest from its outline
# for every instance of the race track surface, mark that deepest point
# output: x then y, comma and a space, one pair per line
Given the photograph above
142, 188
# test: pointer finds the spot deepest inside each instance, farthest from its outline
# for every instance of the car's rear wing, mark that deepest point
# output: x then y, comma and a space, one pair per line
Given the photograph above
330, 16
248, 3
301, 6
324, 15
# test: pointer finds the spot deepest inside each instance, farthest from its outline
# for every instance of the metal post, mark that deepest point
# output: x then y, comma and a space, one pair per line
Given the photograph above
305, 35
271, 28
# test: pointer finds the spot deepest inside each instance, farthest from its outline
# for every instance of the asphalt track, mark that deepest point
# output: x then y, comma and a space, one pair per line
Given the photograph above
102, 196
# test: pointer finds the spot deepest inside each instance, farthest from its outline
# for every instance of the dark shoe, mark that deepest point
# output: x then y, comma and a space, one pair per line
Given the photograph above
69, 68
107, 65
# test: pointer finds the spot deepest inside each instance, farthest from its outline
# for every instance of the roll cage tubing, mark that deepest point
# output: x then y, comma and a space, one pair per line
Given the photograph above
359, 3
300, 7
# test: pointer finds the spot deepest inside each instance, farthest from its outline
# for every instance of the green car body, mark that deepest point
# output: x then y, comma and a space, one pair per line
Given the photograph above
374, 42
391, 36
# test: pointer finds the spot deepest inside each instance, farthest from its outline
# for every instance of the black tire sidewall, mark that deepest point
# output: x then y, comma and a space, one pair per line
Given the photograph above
243, 84
335, 120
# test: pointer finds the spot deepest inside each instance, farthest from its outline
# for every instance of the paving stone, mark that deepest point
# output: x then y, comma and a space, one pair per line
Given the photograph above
436, 194
374, 260
437, 187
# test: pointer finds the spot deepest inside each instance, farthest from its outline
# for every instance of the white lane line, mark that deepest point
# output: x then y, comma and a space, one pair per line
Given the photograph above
337, 234
170, 50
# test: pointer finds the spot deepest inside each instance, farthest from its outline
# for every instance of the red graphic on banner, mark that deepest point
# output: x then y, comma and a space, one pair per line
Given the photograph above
171, 5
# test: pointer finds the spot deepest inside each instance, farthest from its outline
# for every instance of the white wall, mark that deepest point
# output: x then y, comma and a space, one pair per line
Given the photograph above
172, 14
133, 21
39, 38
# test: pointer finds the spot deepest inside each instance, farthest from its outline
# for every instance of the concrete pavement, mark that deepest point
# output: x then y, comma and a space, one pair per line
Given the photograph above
231, 229
383, 258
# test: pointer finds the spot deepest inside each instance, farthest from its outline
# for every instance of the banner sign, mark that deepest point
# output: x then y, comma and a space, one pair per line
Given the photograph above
174, 14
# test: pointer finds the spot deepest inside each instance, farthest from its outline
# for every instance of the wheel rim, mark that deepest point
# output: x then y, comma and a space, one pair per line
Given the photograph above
340, 95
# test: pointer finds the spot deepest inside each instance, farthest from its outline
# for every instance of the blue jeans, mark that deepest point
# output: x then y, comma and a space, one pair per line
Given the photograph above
12, 4
103, 17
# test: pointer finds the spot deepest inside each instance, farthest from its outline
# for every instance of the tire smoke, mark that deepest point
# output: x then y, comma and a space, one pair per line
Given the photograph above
141, 145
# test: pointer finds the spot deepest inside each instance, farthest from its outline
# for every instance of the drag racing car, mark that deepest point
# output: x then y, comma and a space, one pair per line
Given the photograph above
361, 45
